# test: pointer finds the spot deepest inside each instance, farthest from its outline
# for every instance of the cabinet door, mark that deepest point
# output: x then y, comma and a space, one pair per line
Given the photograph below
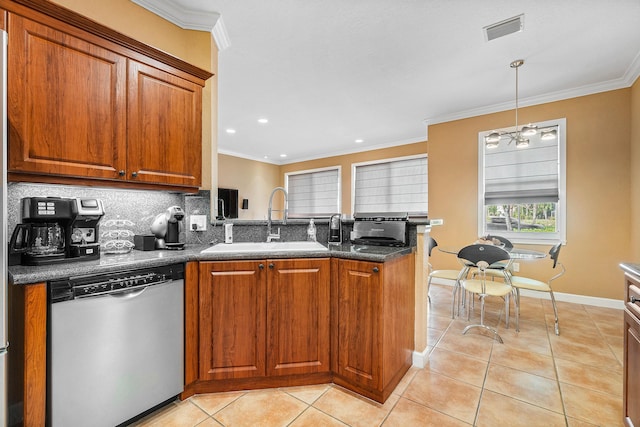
232, 319
632, 354
66, 104
359, 343
298, 292
165, 128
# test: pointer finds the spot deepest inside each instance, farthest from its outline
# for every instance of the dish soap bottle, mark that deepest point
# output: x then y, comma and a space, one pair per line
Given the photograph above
311, 231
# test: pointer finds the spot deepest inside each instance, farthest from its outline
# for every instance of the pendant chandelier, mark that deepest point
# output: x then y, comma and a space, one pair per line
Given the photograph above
520, 136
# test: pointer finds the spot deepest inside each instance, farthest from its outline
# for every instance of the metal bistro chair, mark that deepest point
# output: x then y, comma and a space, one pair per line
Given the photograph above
481, 257
519, 282
443, 274
498, 273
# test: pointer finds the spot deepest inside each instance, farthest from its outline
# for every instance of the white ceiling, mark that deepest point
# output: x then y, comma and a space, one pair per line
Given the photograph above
326, 73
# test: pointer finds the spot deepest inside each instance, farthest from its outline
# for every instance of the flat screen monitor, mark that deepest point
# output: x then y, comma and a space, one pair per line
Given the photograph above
229, 199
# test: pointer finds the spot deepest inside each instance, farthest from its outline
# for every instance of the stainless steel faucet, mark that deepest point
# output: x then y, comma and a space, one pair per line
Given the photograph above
274, 236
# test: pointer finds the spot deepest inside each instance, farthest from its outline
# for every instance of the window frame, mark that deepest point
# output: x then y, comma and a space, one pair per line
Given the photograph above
561, 207
354, 166
337, 168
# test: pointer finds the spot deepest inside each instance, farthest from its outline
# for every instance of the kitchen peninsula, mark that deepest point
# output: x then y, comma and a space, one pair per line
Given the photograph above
352, 307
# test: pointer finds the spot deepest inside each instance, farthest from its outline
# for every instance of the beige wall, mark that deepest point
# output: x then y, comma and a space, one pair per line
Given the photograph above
347, 160
253, 180
635, 172
598, 185
599, 133
195, 47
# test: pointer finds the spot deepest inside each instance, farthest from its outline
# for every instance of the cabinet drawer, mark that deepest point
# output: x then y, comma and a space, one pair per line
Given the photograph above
633, 299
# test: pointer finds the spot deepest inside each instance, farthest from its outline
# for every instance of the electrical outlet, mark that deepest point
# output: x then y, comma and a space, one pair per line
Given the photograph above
198, 223
516, 267
436, 221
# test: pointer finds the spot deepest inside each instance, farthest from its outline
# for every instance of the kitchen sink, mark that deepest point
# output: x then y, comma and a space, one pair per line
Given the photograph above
246, 247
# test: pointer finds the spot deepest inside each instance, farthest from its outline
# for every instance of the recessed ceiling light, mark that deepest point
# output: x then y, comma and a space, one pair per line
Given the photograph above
231, 131
358, 141
263, 120
283, 155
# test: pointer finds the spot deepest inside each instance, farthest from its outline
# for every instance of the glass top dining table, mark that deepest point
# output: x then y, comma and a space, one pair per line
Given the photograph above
514, 253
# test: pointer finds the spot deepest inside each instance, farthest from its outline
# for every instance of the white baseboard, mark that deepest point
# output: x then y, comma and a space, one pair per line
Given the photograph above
576, 299
420, 359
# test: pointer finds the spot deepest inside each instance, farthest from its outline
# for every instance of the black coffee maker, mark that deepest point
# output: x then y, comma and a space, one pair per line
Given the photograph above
47, 233
84, 244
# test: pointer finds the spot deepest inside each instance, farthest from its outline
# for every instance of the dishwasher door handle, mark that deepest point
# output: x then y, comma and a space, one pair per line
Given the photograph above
128, 294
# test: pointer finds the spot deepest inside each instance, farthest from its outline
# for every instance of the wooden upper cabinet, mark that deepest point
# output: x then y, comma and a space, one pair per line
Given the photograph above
66, 102
165, 127
88, 105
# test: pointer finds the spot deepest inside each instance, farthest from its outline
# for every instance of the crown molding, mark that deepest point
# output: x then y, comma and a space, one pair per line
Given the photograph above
633, 72
248, 157
188, 19
626, 81
279, 162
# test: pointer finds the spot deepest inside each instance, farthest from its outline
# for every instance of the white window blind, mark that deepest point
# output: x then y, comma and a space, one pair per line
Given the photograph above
522, 175
398, 185
314, 193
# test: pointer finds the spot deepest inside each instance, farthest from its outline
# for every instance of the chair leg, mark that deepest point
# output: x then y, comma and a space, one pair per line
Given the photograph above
555, 313
496, 336
429, 287
517, 310
456, 288
506, 311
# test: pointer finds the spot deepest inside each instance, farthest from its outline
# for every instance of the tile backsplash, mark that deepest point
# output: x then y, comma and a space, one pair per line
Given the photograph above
140, 207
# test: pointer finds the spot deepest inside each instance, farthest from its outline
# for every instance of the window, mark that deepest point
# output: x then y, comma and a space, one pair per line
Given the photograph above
521, 190
313, 193
392, 185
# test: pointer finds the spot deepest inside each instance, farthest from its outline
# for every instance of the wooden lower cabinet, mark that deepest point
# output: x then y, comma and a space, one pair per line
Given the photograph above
284, 322
298, 305
232, 319
374, 322
631, 406
27, 355
259, 320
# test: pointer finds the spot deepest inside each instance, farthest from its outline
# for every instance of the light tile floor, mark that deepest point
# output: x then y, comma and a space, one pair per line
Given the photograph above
534, 379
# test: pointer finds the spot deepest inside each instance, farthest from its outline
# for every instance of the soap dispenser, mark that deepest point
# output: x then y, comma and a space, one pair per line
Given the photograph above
311, 231
228, 232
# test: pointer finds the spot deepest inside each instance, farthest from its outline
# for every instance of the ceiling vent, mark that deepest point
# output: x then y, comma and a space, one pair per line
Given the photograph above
503, 28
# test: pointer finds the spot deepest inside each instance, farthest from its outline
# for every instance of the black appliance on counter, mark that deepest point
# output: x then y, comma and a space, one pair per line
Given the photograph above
335, 229
56, 229
382, 229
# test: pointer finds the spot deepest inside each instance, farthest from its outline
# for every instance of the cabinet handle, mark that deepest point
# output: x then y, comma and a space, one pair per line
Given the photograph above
261, 266
122, 173
271, 266
376, 269
134, 174
634, 299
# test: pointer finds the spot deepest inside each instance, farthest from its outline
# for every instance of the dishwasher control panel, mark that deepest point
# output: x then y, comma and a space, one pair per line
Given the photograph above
117, 282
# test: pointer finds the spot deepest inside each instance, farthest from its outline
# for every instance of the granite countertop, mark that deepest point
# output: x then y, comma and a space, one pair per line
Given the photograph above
22, 275
631, 268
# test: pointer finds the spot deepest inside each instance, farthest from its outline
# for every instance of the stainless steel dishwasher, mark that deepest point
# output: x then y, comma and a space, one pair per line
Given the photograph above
115, 345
